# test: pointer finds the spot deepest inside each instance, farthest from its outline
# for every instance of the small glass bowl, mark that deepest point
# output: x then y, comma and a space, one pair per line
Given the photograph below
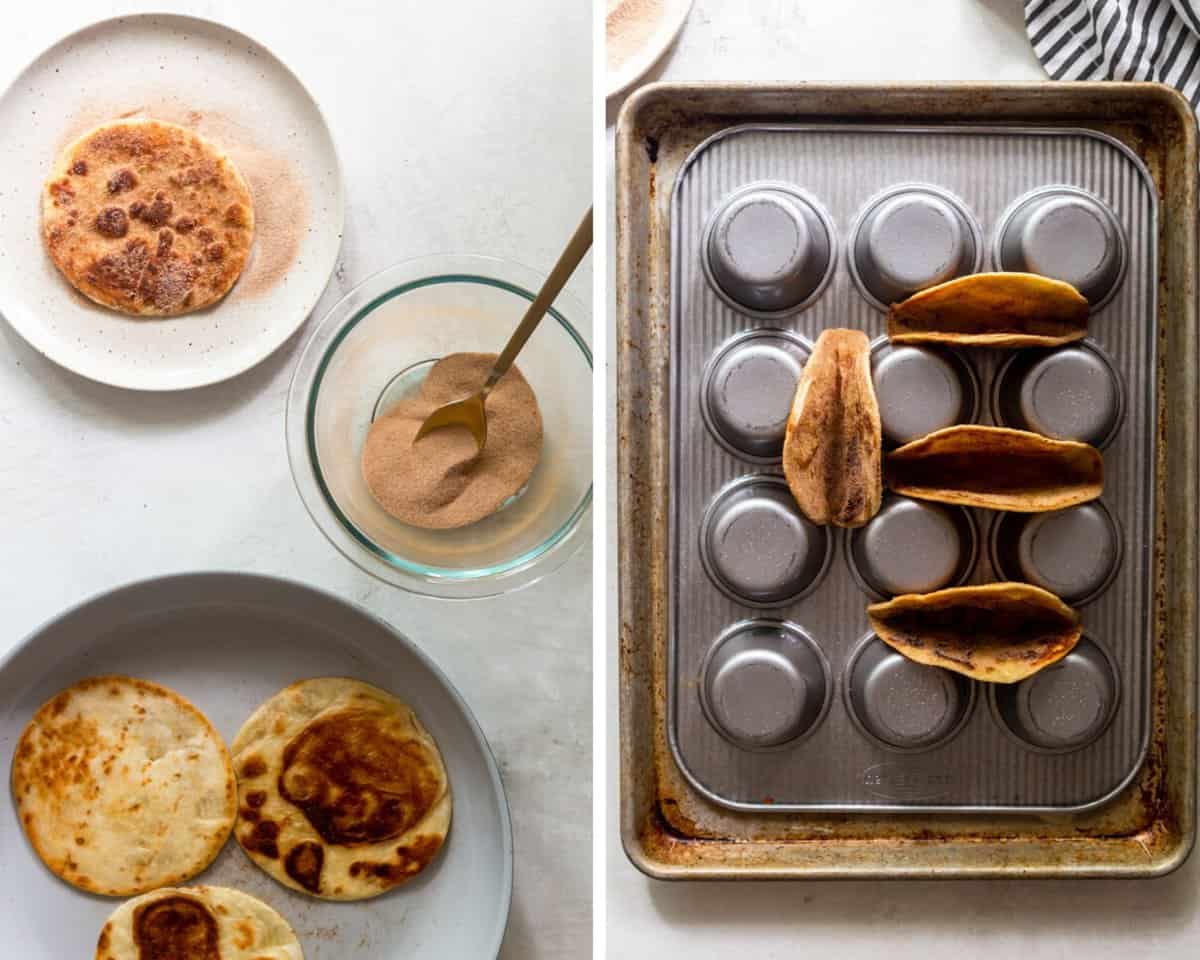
375, 347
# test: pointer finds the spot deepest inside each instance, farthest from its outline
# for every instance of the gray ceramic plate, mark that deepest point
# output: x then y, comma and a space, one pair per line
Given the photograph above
227, 642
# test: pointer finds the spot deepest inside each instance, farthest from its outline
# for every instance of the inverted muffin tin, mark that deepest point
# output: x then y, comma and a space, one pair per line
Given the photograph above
779, 696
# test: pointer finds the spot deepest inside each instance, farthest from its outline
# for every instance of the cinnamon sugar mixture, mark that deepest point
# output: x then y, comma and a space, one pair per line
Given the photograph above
441, 481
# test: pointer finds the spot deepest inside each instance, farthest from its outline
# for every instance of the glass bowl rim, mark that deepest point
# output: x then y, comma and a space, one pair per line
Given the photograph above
331, 331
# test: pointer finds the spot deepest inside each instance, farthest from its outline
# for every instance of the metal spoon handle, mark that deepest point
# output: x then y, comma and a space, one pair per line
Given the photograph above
580, 243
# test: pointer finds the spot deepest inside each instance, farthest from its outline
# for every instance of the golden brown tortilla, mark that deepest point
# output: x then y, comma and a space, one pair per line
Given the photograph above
992, 310
1000, 632
833, 446
122, 786
147, 218
996, 468
197, 923
343, 794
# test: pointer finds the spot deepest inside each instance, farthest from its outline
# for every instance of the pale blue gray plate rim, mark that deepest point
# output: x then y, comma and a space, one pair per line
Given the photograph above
250, 589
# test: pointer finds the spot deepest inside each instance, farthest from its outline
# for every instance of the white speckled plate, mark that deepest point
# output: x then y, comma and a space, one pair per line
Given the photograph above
225, 86
227, 642
668, 18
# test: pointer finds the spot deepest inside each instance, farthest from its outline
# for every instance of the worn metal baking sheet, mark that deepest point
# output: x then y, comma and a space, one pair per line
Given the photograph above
844, 167
227, 642
671, 829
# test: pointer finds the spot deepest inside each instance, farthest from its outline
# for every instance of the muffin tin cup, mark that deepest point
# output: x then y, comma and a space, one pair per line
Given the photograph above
765, 684
1066, 233
747, 390
756, 546
921, 389
1074, 553
909, 237
903, 706
1068, 393
912, 546
769, 249
1063, 708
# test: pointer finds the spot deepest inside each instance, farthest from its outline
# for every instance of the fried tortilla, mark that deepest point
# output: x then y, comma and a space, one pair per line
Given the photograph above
343, 794
123, 786
197, 923
832, 451
992, 310
1000, 632
147, 218
996, 468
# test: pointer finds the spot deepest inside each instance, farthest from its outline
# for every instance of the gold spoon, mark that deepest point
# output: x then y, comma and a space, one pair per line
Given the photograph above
469, 411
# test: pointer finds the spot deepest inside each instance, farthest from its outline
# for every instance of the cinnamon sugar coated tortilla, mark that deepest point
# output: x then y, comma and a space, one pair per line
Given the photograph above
282, 210
442, 481
148, 218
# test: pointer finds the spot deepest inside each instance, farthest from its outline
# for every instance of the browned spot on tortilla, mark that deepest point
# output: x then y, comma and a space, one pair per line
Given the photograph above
112, 222
243, 935
263, 839
410, 860
355, 780
303, 864
122, 180
175, 928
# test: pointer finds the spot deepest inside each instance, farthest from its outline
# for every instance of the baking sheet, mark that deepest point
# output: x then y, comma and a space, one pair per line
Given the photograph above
671, 830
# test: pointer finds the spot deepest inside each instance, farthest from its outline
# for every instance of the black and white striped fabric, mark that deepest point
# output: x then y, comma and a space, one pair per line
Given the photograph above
1118, 40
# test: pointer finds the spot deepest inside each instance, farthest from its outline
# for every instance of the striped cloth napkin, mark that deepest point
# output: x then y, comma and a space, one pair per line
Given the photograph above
1118, 40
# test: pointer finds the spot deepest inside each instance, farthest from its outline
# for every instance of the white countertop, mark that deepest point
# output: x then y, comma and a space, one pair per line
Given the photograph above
870, 41
429, 107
